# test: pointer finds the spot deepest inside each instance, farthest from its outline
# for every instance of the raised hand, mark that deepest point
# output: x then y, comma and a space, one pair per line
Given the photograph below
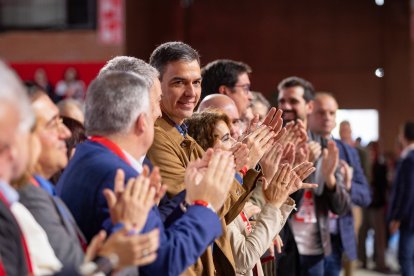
284, 183
348, 172
130, 250
295, 133
270, 162
258, 143
274, 120
210, 184
130, 204
241, 155
302, 154
330, 159
315, 151
155, 182
304, 169
288, 155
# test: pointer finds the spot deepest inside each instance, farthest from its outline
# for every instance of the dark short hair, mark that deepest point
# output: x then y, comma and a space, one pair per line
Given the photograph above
289, 82
408, 129
221, 72
170, 52
34, 91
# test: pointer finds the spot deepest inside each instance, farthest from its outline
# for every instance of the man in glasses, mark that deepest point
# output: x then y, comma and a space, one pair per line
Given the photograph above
230, 78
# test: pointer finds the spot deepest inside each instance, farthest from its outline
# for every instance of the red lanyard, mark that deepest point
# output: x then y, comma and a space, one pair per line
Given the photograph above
22, 239
248, 225
111, 146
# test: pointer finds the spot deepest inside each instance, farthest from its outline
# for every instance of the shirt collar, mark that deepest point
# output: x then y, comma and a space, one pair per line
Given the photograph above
9, 192
136, 164
407, 150
182, 129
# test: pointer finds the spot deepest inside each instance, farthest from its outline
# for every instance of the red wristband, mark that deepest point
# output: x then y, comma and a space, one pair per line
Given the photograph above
200, 202
203, 203
243, 170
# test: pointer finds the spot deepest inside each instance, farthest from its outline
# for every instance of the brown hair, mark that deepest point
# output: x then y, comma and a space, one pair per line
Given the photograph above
201, 126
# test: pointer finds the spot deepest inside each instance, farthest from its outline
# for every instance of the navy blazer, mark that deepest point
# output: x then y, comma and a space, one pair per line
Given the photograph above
360, 195
402, 195
92, 169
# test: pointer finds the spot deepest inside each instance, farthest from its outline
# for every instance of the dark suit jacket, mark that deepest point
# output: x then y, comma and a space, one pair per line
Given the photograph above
11, 248
60, 232
402, 196
360, 195
92, 169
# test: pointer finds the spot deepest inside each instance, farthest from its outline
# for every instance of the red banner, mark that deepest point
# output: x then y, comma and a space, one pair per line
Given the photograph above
111, 22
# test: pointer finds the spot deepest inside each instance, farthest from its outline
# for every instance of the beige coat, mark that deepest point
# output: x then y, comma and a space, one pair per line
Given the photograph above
248, 248
172, 152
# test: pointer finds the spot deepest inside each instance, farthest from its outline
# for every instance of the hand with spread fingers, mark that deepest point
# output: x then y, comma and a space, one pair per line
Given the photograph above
270, 162
258, 143
295, 133
284, 183
241, 155
330, 159
210, 183
274, 120
303, 170
130, 250
130, 204
288, 155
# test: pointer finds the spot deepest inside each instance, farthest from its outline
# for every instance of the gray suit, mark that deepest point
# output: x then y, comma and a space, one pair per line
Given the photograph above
54, 217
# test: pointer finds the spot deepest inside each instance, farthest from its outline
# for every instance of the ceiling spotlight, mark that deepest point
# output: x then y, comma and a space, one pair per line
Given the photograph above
379, 72
379, 2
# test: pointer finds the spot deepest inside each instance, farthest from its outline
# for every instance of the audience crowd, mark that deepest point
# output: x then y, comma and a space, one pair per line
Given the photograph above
168, 168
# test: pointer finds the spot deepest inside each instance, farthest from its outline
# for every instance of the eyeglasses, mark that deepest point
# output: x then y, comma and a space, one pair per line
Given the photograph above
55, 123
245, 87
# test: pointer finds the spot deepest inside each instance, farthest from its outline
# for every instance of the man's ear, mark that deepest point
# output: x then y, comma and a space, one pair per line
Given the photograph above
309, 107
140, 124
223, 90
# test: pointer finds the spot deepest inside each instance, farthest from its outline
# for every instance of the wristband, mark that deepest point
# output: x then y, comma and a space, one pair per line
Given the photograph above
203, 203
243, 170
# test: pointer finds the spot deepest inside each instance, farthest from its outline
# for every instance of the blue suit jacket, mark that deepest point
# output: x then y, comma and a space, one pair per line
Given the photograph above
360, 195
92, 169
402, 196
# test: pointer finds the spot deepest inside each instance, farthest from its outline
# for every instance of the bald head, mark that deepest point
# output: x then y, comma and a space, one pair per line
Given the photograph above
226, 105
322, 120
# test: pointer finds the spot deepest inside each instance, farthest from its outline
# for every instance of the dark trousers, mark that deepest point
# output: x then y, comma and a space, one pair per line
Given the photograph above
312, 265
406, 252
333, 262
373, 218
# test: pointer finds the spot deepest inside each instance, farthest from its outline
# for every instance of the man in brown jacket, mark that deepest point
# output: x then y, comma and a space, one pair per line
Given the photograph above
172, 150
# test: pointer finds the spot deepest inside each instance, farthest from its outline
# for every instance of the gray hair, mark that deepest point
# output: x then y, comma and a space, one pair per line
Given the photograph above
171, 52
131, 64
13, 92
114, 101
